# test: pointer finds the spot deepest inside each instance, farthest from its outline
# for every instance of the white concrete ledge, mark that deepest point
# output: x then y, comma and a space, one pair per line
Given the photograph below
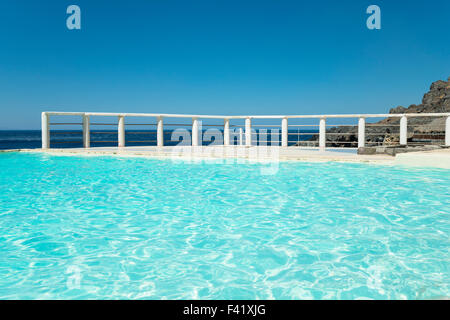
226, 152
435, 159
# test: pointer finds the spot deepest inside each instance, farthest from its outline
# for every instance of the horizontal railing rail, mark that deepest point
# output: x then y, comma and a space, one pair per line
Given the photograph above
245, 136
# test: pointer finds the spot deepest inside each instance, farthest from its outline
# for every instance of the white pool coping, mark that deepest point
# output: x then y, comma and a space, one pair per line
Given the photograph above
435, 159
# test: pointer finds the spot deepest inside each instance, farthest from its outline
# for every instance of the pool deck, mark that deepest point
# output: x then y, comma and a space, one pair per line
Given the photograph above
436, 158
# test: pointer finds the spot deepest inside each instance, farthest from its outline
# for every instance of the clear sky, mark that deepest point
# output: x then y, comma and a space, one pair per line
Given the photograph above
218, 56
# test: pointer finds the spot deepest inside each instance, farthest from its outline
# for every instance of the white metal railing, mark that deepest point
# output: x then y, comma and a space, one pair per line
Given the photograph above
226, 126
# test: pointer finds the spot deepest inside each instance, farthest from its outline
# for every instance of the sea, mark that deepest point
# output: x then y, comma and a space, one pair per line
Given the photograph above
31, 139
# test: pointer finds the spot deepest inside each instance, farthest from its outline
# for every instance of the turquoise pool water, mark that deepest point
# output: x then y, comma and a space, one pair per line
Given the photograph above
104, 227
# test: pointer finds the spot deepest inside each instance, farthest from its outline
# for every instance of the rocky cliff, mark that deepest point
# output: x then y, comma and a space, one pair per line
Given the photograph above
436, 100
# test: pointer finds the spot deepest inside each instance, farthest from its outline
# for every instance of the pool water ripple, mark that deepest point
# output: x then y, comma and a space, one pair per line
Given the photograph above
127, 228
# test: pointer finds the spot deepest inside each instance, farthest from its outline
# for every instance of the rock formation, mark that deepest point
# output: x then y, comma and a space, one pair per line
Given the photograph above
386, 131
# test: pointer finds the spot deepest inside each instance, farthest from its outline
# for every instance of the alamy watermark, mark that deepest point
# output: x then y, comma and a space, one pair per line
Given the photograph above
73, 21
74, 277
210, 146
374, 20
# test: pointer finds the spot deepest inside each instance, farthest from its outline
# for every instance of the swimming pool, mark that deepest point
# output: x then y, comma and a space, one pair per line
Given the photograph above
104, 227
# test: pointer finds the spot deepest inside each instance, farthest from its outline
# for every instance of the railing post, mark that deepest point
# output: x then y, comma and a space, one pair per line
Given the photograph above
86, 132
322, 133
226, 132
284, 132
121, 131
403, 130
194, 132
45, 130
447, 132
160, 132
248, 132
361, 132
241, 137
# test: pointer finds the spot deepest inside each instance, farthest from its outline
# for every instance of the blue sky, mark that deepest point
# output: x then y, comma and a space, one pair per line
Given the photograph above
218, 57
